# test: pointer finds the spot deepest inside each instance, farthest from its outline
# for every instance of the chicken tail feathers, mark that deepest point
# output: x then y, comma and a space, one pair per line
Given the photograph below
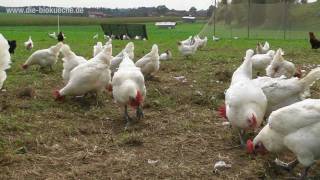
311, 77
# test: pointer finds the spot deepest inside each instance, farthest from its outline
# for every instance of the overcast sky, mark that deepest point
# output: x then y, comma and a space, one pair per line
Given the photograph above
171, 4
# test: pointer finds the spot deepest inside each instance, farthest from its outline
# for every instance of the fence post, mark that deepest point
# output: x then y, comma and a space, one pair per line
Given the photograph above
285, 19
249, 8
214, 17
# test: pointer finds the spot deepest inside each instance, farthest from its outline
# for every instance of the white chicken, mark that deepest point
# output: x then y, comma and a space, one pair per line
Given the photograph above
129, 87
261, 61
115, 62
53, 35
295, 128
201, 42
262, 49
188, 41
5, 59
126, 37
28, 44
97, 48
108, 42
150, 63
167, 55
93, 76
187, 50
44, 57
137, 37
215, 38
282, 92
106, 37
70, 61
96, 36
280, 67
245, 102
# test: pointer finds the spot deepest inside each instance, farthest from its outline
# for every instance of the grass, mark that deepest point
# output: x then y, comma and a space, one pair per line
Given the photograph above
181, 132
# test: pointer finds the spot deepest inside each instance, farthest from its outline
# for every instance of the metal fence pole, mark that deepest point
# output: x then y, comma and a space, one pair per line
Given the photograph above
249, 7
214, 17
285, 19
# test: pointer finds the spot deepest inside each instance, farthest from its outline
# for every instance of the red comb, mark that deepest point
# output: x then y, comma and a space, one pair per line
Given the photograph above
250, 146
109, 88
24, 66
57, 95
222, 112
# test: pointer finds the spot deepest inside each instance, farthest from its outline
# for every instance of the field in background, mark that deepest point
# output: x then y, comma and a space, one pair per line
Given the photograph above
180, 137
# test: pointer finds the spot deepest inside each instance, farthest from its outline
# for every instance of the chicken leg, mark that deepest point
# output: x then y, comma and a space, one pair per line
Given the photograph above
127, 118
288, 167
242, 143
305, 173
139, 113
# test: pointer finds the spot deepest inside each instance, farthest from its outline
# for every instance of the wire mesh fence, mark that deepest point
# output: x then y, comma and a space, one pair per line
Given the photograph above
280, 19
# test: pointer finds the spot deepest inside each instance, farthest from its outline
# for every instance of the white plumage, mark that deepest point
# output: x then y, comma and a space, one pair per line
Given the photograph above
201, 42
261, 61
97, 48
245, 102
167, 55
280, 67
187, 50
262, 49
5, 59
282, 92
149, 64
93, 76
70, 61
129, 87
28, 44
115, 62
52, 35
44, 57
188, 41
215, 38
96, 36
296, 128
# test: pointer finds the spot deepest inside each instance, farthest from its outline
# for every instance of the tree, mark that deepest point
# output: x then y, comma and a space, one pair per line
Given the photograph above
162, 10
193, 11
210, 10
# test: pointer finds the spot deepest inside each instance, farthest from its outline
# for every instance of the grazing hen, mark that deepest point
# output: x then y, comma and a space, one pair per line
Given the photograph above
295, 128
93, 76
244, 101
149, 64
201, 42
315, 43
167, 55
52, 35
261, 61
280, 67
70, 61
282, 92
61, 37
188, 42
129, 88
4, 59
115, 62
44, 57
13, 46
262, 49
187, 50
28, 44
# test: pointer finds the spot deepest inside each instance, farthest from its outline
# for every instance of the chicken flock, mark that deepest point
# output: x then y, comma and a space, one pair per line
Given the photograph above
280, 97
